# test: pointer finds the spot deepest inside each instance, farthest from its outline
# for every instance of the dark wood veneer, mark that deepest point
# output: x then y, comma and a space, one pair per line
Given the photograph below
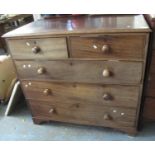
85, 70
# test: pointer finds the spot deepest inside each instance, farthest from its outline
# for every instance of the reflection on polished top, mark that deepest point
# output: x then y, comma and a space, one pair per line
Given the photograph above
82, 24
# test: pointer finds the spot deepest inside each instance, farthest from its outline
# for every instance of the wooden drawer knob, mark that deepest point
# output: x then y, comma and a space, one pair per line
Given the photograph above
36, 49
106, 73
47, 92
106, 96
107, 117
51, 111
105, 49
41, 70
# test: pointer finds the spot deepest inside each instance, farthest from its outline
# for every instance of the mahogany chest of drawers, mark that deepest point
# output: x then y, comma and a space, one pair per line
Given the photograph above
149, 101
86, 70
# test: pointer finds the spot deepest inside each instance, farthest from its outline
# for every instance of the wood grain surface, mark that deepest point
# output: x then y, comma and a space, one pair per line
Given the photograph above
74, 93
120, 46
49, 48
89, 114
82, 71
79, 25
85, 70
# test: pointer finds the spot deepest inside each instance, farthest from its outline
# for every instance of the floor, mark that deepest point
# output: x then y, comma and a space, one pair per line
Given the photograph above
19, 126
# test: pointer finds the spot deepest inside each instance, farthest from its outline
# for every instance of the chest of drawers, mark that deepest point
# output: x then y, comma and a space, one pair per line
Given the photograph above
86, 70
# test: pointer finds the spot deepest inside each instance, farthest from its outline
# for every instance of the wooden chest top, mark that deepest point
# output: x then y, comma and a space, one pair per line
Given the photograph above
79, 25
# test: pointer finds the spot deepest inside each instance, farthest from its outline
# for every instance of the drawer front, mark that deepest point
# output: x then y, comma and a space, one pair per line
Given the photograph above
109, 47
84, 114
67, 93
82, 71
149, 108
46, 48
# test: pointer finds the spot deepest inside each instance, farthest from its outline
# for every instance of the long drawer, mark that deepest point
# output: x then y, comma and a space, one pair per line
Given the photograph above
84, 114
112, 72
47, 48
116, 46
68, 93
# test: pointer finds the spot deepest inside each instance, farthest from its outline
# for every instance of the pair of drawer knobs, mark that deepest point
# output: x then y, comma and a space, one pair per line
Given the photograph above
105, 96
104, 49
106, 116
105, 73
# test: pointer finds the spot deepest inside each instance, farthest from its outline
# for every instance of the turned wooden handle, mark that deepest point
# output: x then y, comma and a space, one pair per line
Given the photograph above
47, 92
107, 117
41, 70
51, 110
105, 49
36, 49
106, 73
106, 96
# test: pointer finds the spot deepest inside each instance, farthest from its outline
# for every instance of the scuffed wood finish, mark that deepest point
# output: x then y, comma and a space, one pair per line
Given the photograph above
81, 25
90, 69
68, 93
48, 48
82, 71
120, 46
84, 113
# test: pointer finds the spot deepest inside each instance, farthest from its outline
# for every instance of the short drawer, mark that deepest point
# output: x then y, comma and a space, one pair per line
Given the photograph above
46, 48
84, 114
112, 72
68, 93
118, 46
